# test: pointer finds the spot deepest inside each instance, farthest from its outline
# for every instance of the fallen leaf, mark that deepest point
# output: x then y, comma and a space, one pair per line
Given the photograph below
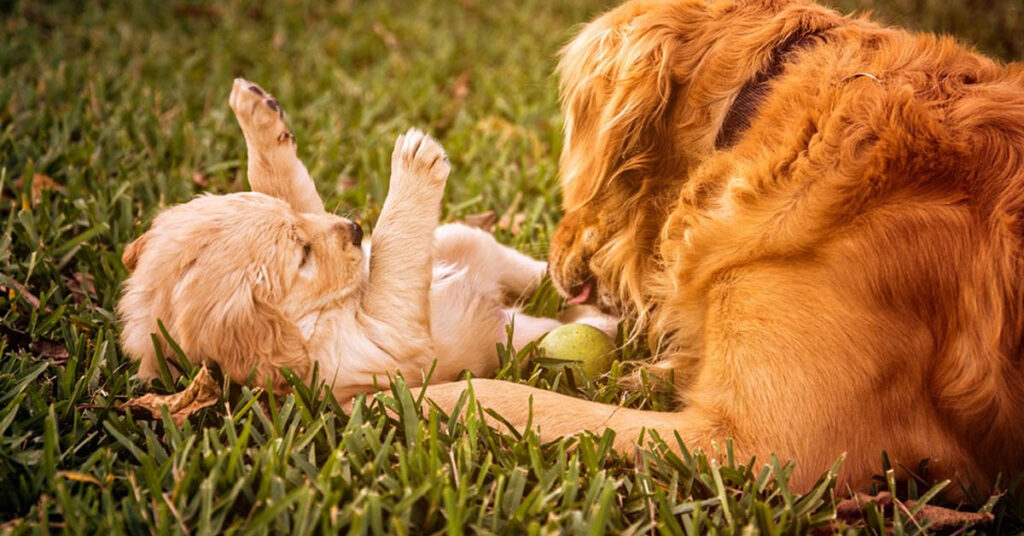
81, 286
44, 348
200, 179
483, 220
512, 223
512, 220
22, 291
851, 507
939, 519
50, 349
460, 89
946, 519
202, 392
40, 183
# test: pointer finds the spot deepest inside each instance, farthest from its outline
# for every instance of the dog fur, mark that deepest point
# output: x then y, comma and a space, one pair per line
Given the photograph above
845, 278
262, 280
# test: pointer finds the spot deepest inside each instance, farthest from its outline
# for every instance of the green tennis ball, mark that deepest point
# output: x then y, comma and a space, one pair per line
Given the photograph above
580, 342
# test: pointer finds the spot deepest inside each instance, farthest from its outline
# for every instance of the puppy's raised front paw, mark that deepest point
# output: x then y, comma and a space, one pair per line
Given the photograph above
418, 159
259, 114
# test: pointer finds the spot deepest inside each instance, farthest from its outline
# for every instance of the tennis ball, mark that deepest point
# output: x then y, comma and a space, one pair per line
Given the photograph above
580, 342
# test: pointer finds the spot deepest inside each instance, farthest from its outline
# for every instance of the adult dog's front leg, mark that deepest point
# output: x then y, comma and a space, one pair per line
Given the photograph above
274, 166
397, 300
553, 415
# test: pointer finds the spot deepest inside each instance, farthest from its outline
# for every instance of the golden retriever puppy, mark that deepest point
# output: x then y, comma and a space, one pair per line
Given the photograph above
817, 220
260, 281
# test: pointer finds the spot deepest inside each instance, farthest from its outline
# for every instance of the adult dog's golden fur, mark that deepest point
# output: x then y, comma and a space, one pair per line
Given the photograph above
845, 278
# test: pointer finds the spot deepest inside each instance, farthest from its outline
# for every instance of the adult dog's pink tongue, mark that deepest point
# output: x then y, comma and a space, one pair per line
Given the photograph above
583, 296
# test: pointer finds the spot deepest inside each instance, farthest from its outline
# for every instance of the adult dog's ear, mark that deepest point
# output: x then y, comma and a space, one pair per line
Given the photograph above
650, 79
617, 79
132, 252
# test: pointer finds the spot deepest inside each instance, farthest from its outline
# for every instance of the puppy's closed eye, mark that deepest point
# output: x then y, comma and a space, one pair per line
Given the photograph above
307, 249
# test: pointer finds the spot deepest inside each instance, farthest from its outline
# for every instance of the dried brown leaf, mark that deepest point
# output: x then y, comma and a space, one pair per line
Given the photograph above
202, 392
50, 349
22, 291
43, 348
939, 519
460, 89
81, 286
512, 220
200, 179
944, 519
851, 507
40, 183
513, 223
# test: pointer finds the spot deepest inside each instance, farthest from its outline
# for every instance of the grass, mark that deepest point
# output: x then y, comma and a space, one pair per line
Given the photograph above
122, 109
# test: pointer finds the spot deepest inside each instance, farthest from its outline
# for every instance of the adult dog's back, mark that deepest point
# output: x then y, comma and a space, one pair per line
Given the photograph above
819, 222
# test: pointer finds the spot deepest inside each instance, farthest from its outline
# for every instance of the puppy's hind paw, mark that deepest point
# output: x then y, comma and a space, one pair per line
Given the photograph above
259, 114
419, 158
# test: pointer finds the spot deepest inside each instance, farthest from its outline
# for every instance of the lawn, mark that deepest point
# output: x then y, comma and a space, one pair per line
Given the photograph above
108, 113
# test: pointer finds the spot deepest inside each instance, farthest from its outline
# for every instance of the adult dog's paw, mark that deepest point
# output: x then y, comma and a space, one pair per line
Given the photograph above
259, 114
419, 159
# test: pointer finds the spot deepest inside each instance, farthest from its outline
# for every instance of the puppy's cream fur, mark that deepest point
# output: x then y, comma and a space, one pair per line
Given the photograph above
264, 280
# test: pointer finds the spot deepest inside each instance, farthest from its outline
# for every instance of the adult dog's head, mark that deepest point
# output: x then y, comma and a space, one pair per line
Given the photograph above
237, 279
646, 89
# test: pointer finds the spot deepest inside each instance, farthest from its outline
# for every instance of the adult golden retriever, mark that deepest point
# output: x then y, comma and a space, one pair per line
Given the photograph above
818, 222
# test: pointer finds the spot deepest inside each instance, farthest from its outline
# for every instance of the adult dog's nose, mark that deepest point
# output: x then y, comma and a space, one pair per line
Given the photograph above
357, 234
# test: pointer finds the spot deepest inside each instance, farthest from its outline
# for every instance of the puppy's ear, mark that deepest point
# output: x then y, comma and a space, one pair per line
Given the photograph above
245, 333
616, 84
132, 252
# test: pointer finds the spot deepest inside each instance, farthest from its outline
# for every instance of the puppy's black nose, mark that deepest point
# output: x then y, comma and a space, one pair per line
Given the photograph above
357, 235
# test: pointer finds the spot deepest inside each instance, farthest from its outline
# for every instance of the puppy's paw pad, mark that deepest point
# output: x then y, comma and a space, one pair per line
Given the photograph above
258, 113
419, 155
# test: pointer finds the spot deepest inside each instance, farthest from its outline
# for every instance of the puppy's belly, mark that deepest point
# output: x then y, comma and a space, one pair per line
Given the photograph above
466, 321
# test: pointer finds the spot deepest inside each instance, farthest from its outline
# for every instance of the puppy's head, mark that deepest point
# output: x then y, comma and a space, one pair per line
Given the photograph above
645, 89
237, 279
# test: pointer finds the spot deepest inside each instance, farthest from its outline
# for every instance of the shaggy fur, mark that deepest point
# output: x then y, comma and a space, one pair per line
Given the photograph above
260, 281
845, 278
